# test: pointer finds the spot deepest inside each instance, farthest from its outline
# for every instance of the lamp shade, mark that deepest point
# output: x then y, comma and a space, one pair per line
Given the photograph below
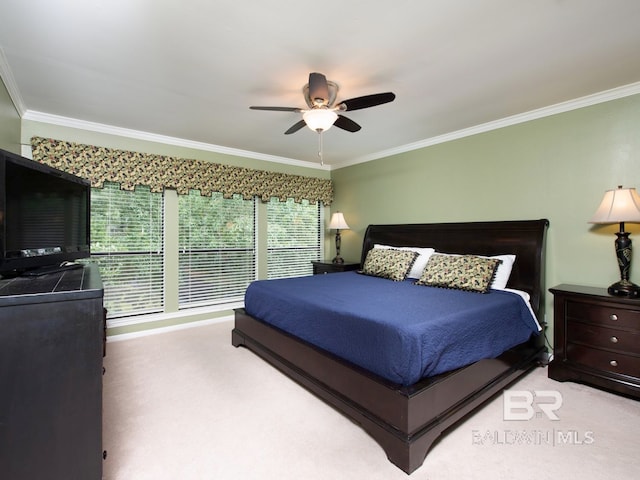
619, 205
338, 222
319, 119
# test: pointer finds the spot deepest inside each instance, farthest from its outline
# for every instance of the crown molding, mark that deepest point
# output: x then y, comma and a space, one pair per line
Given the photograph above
586, 101
152, 137
6, 75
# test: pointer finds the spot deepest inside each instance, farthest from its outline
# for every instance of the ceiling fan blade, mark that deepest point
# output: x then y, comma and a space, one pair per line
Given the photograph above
294, 128
278, 109
346, 124
318, 89
368, 101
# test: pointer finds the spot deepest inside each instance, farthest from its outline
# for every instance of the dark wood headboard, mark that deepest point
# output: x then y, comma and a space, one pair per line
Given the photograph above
524, 238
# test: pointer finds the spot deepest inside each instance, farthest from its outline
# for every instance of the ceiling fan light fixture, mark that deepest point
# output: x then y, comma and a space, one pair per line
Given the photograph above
319, 119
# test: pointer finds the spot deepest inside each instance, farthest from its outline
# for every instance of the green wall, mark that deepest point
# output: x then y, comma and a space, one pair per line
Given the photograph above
9, 122
556, 167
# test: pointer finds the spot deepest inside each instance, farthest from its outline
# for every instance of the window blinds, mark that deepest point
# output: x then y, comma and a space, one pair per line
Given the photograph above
127, 244
294, 237
217, 248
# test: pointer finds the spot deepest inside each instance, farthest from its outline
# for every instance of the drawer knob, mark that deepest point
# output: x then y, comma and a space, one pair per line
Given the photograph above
613, 317
614, 339
613, 363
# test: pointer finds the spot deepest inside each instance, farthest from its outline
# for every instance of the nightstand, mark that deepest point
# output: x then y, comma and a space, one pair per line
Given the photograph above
329, 267
596, 339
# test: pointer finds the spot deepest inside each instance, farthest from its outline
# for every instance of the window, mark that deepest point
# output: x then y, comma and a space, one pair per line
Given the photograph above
217, 247
294, 237
127, 244
217, 254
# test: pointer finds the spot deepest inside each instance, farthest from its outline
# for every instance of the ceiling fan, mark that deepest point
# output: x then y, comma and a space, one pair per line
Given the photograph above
323, 112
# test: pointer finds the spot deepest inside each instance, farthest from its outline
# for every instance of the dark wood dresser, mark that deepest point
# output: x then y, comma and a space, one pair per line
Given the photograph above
330, 267
51, 348
596, 339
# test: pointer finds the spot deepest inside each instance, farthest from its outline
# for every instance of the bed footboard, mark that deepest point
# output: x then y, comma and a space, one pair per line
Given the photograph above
404, 421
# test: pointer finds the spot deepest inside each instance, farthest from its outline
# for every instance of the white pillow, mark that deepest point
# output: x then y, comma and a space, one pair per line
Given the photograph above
420, 262
503, 272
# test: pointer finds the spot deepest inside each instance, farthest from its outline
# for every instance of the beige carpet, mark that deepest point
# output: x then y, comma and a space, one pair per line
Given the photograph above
188, 405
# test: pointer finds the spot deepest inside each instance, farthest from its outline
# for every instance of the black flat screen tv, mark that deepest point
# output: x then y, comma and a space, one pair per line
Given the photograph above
44, 217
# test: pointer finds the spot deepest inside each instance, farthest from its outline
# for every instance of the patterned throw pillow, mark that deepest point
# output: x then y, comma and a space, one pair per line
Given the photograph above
421, 260
464, 272
389, 263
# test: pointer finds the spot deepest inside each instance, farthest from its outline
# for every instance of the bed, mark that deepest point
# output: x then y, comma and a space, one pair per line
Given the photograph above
407, 417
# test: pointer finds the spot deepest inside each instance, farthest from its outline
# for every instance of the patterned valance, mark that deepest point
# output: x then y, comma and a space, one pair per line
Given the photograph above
100, 164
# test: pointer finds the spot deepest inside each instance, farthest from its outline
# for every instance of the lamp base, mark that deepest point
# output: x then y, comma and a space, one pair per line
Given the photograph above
624, 288
338, 260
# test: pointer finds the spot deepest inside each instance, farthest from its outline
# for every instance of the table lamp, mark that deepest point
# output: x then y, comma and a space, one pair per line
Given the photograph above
338, 223
619, 206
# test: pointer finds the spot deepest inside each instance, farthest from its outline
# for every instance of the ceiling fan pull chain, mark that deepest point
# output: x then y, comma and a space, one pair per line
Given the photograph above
320, 148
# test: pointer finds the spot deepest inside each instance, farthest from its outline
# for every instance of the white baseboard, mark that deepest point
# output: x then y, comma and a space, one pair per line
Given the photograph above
172, 328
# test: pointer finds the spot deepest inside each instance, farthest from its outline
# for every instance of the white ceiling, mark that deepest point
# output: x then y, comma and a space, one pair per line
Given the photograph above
190, 69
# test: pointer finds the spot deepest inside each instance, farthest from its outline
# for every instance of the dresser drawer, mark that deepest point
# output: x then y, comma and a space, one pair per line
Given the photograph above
603, 337
604, 360
613, 315
320, 268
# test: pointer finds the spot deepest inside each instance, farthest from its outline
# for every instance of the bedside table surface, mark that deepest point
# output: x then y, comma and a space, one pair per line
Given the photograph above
594, 292
329, 262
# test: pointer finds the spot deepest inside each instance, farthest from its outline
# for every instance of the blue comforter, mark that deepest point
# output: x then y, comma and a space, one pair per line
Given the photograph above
397, 330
